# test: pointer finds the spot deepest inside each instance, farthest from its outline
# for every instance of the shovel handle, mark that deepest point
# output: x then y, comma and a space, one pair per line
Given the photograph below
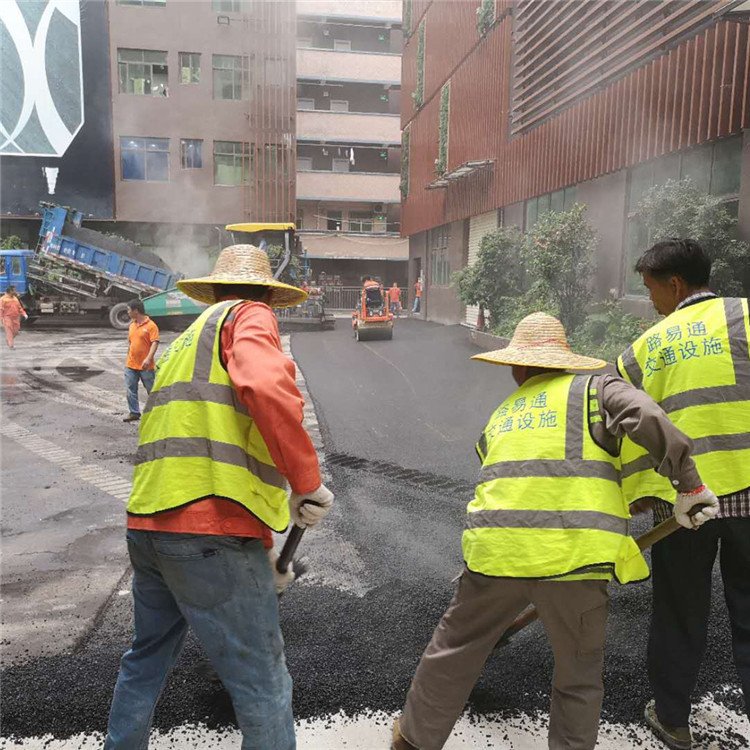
290, 545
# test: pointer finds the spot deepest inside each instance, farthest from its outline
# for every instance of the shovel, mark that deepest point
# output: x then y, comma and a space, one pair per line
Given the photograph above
659, 532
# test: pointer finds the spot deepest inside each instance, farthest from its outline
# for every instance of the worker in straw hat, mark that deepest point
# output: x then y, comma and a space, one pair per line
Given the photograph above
548, 526
220, 439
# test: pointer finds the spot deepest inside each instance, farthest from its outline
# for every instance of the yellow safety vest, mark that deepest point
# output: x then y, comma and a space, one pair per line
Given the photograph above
548, 503
197, 439
695, 365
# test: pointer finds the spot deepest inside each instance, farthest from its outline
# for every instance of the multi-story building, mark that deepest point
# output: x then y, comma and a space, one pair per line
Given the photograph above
348, 138
512, 108
202, 121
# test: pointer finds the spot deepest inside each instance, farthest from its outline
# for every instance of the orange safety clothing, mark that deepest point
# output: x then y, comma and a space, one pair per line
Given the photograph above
418, 289
11, 311
140, 338
265, 381
394, 294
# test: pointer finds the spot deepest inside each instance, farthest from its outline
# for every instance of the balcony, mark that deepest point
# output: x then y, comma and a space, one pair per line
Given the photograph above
387, 10
348, 127
367, 187
363, 67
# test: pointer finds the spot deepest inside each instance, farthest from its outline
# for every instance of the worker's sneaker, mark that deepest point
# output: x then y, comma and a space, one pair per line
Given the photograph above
399, 743
677, 738
132, 417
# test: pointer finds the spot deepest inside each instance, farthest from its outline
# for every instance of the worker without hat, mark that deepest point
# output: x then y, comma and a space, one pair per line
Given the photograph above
695, 364
548, 526
220, 440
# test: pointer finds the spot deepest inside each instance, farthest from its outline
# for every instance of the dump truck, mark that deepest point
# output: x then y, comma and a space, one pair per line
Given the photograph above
76, 272
173, 309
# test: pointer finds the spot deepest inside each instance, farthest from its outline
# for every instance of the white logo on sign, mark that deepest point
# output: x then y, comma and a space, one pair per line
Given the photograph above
34, 84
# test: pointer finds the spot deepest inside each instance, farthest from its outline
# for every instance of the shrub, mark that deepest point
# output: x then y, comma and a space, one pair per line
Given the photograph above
560, 258
11, 242
607, 331
498, 276
680, 209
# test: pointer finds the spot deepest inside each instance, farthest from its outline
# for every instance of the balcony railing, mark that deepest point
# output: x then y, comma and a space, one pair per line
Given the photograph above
350, 127
369, 187
363, 67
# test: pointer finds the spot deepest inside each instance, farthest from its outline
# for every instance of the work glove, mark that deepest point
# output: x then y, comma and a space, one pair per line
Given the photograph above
280, 580
686, 500
309, 509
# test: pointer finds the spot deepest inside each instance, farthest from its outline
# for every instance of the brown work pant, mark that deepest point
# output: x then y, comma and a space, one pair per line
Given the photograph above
574, 614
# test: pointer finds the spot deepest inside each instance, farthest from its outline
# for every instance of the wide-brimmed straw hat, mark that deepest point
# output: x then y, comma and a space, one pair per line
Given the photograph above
242, 264
540, 341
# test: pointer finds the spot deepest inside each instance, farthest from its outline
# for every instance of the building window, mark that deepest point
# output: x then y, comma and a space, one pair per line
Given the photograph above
713, 168
299, 218
339, 105
190, 67
334, 221
560, 200
230, 77
232, 163
360, 221
304, 163
440, 267
304, 41
305, 103
227, 6
341, 165
145, 159
144, 3
191, 153
342, 45
142, 72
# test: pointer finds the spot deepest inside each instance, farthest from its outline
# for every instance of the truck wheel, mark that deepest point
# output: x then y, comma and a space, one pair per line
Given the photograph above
118, 316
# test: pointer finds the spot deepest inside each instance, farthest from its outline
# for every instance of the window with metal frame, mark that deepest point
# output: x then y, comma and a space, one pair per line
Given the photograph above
230, 77
714, 168
334, 220
190, 67
304, 163
144, 3
232, 163
440, 267
342, 45
339, 105
228, 6
360, 221
560, 200
306, 104
191, 153
341, 165
144, 159
143, 72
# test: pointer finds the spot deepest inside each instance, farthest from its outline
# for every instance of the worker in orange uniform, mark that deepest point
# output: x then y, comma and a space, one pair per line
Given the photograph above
417, 296
143, 340
221, 436
394, 297
11, 311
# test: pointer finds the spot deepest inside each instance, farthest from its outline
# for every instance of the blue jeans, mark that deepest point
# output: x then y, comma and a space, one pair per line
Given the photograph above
222, 588
131, 381
417, 300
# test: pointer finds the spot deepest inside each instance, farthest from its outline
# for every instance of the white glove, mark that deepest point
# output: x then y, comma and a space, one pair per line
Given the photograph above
310, 509
280, 580
685, 501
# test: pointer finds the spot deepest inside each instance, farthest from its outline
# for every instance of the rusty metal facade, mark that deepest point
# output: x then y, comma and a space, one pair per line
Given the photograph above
696, 91
271, 49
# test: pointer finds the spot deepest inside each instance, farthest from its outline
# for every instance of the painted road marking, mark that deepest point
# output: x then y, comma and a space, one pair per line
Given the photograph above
715, 727
104, 480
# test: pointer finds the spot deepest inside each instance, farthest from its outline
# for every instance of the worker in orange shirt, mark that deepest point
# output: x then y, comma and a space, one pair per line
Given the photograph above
11, 311
394, 297
221, 436
143, 340
417, 296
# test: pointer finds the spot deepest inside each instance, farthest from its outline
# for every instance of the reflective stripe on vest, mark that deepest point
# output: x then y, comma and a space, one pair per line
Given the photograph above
548, 503
196, 437
695, 364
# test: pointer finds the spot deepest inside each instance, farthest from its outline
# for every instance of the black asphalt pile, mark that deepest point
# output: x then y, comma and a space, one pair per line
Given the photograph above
357, 655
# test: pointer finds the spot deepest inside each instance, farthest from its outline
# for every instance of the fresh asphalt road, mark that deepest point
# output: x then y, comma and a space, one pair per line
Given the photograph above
399, 420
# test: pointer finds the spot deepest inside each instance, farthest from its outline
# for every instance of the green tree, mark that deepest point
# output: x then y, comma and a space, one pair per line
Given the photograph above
559, 253
11, 242
498, 277
680, 209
